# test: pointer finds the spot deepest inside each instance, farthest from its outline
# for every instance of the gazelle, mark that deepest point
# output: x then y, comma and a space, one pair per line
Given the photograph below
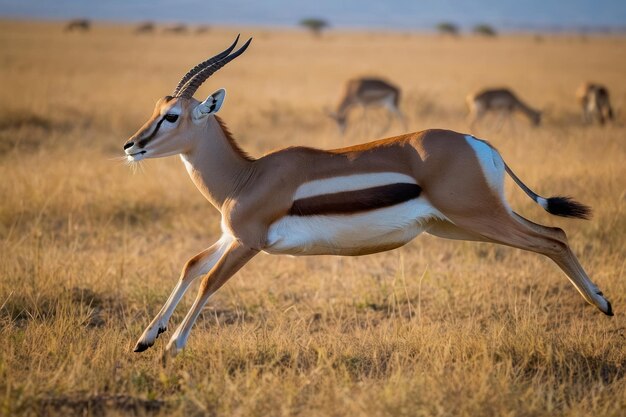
145, 27
352, 201
595, 103
366, 93
498, 100
176, 29
80, 25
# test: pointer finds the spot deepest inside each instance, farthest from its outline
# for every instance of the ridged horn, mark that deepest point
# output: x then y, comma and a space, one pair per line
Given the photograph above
203, 65
190, 87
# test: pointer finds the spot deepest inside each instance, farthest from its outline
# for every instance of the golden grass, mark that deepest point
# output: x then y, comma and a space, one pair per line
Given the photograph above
89, 250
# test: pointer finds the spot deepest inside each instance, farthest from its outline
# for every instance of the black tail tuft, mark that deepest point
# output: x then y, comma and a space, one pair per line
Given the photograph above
568, 207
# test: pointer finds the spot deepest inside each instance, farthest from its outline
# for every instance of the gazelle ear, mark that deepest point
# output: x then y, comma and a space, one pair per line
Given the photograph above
211, 105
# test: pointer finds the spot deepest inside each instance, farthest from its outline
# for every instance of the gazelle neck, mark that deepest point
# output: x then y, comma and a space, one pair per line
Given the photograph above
216, 165
344, 106
528, 111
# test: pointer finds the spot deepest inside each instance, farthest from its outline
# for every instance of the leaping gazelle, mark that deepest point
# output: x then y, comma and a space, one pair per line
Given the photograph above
352, 201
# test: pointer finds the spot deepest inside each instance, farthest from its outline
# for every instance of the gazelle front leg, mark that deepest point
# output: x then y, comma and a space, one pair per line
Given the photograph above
235, 256
475, 114
195, 267
402, 119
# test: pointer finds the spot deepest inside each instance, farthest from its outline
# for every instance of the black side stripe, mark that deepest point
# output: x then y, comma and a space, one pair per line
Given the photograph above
349, 202
143, 142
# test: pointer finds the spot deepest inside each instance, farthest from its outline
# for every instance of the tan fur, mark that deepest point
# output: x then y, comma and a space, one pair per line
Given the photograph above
252, 194
498, 100
595, 103
368, 92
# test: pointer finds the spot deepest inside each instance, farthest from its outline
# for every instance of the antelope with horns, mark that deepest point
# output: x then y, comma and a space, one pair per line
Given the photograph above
366, 93
498, 100
595, 103
353, 201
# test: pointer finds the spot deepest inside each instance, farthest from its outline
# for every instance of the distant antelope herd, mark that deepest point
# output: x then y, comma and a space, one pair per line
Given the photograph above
369, 92
351, 201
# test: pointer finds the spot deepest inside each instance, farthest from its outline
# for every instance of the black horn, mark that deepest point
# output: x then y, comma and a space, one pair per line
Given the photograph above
203, 65
190, 87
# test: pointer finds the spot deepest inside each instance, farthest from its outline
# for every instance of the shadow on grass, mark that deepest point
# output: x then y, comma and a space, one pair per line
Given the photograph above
96, 405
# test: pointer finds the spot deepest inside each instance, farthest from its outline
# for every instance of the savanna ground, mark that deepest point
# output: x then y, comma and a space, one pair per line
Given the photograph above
89, 249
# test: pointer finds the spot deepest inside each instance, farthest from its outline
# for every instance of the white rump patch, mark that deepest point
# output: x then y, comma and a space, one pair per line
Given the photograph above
350, 183
350, 234
491, 163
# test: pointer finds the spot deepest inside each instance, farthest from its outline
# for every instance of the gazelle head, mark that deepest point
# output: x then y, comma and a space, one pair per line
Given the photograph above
170, 130
340, 119
536, 118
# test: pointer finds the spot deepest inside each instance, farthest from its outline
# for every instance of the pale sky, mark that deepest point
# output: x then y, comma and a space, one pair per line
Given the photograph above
391, 14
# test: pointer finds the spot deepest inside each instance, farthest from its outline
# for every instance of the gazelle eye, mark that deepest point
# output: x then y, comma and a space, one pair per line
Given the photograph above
171, 117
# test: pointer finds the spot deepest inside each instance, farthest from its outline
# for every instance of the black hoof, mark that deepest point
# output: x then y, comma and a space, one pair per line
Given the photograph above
140, 347
609, 311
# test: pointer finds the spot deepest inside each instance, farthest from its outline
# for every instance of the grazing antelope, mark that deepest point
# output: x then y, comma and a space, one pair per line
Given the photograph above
145, 27
594, 99
353, 201
499, 100
82, 25
178, 29
202, 29
368, 92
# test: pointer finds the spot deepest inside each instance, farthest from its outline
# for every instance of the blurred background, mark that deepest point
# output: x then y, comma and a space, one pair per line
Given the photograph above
90, 249
551, 15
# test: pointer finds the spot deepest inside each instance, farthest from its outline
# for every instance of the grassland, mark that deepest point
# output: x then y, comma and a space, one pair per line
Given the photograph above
89, 250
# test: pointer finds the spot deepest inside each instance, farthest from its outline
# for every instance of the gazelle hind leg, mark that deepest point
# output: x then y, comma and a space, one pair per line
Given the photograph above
387, 125
448, 230
513, 230
199, 265
567, 261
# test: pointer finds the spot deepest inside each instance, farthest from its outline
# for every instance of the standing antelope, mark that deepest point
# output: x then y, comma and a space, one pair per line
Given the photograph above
354, 201
594, 99
498, 100
368, 92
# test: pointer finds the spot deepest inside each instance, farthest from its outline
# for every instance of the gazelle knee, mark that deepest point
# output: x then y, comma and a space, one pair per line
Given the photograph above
556, 244
193, 267
559, 234
556, 247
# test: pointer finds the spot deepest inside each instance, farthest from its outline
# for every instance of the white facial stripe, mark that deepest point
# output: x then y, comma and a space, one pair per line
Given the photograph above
491, 163
350, 183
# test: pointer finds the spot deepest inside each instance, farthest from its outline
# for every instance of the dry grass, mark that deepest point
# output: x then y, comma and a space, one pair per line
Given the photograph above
89, 250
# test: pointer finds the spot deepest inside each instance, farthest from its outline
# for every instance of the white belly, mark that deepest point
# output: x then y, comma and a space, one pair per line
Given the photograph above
356, 234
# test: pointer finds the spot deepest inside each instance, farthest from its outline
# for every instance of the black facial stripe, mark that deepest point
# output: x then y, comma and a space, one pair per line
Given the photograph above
144, 142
